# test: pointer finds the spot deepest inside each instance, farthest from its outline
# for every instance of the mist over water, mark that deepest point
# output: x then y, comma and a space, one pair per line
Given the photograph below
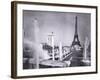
60, 23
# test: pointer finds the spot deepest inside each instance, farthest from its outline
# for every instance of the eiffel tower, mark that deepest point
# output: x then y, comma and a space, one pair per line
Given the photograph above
76, 39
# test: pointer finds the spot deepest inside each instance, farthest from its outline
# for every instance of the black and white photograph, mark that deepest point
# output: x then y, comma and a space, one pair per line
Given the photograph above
53, 39
56, 39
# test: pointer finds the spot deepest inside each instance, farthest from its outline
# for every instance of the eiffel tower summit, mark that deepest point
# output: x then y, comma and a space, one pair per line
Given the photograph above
76, 43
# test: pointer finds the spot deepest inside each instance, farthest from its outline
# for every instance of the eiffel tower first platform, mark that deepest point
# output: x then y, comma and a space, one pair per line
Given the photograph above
76, 43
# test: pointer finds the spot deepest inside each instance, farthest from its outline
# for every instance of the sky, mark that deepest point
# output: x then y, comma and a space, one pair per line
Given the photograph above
62, 24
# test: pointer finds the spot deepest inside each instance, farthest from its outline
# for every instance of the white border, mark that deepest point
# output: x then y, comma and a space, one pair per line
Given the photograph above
21, 72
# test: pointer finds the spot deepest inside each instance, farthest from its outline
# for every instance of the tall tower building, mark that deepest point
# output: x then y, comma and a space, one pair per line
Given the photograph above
51, 43
76, 43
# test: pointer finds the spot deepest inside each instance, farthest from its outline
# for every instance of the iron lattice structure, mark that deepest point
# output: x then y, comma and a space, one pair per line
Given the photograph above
76, 39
